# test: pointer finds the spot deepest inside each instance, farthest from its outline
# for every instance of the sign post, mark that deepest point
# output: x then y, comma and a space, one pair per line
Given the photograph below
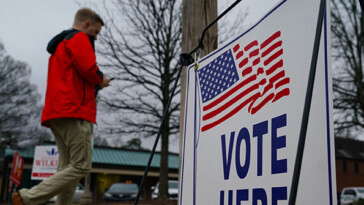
244, 108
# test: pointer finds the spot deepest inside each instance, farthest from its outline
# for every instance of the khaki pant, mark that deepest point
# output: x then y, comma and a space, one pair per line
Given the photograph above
73, 138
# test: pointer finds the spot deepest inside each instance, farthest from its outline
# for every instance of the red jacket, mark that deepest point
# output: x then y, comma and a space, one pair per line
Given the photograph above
72, 78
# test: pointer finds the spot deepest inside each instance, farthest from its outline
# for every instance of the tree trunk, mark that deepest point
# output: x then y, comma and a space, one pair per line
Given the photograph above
163, 176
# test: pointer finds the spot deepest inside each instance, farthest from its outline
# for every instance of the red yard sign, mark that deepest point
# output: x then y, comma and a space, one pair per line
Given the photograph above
17, 169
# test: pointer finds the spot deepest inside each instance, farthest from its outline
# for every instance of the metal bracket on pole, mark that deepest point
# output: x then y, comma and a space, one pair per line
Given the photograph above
185, 60
307, 106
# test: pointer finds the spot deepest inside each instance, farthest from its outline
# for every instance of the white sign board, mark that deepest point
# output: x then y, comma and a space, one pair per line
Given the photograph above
244, 107
45, 162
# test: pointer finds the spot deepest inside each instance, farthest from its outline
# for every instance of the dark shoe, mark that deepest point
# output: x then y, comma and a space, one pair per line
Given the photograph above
17, 199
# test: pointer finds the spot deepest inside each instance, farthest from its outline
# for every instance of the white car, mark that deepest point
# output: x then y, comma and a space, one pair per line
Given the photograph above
76, 196
350, 195
172, 190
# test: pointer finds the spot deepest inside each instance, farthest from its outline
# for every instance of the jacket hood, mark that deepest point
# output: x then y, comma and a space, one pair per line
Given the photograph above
66, 34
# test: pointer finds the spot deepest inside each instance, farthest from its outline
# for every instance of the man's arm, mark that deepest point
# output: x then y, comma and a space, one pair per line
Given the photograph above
84, 59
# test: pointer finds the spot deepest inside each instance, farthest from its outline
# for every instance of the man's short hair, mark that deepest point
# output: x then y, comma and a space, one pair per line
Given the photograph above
85, 14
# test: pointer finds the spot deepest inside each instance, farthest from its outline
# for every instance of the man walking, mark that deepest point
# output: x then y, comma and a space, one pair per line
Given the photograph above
70, 108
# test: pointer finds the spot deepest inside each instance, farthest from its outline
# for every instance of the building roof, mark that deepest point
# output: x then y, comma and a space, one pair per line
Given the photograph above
349, 149
113, 156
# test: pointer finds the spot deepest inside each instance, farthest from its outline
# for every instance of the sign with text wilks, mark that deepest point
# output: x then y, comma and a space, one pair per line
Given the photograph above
244, 107
45, 162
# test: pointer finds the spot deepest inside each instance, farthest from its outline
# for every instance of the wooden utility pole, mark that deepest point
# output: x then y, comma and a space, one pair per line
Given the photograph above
196, 15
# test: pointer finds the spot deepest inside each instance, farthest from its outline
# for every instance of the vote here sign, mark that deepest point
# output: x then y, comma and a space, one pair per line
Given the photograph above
244, 106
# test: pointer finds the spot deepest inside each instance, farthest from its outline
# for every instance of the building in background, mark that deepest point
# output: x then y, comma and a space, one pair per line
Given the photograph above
349, 163
109, 165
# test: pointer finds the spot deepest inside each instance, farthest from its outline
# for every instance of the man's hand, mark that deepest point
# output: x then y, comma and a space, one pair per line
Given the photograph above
105, 82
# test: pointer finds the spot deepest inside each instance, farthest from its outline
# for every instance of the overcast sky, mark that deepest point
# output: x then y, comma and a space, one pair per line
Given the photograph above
26, 26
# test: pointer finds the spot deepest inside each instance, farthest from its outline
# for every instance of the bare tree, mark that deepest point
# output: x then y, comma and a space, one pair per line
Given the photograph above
134, 143
139, 48
347, 51
232, 24
19, 108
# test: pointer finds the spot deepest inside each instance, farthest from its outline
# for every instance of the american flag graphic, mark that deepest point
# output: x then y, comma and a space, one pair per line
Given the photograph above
250, 76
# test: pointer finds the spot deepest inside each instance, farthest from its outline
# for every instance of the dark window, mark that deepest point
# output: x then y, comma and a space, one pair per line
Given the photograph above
350, 192
346, 192
345, 168
356, 167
